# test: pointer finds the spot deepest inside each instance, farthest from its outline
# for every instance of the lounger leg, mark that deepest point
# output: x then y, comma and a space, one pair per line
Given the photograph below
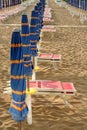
54, 65
65, 100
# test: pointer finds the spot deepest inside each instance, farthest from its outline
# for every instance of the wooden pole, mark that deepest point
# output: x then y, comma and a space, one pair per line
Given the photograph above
33, 61
27, 78
19, 125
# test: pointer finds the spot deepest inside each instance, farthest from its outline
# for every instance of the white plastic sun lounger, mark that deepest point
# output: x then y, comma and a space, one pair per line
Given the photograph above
49, 57
51, 86
47, 15
48, 28
54, 87
48, 19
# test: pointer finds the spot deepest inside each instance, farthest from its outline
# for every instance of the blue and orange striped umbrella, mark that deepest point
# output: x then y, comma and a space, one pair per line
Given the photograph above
34, 35
25, 39
39, 9
18, 108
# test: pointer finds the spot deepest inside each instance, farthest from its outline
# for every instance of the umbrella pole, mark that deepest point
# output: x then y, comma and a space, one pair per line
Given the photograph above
28, 101
28, 83
19, 125
33, 61
34, 74
36, 61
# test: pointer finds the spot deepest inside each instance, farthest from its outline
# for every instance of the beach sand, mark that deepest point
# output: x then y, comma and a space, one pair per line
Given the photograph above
49, 111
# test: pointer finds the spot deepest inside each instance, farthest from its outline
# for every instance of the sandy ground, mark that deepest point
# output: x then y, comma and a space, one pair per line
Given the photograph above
49, 111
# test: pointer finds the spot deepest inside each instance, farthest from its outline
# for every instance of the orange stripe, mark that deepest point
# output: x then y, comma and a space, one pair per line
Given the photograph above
26, 45
25, 23
17, 77
16, 61
25, 35
18, 108
19, 93
34, 49
16, 45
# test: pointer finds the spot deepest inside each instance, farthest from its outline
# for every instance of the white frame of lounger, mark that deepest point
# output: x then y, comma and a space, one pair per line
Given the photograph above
53, 61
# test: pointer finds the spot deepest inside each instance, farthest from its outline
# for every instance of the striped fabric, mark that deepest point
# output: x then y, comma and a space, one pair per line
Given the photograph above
36, 24
25, 37
18, 108
34, 33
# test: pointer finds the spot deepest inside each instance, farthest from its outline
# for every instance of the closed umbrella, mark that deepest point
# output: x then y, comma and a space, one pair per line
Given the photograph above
34, 33
34, 38
25, 38
40, 11
18, 108
27, 59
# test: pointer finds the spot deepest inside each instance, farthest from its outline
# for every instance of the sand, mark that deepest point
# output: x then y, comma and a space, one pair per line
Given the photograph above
49, 111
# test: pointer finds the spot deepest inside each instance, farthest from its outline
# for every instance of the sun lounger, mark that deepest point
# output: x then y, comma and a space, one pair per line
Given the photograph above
47, 9
48, 20
3, 17
47, 12
49, 57
47, 15
48, 28
54, 87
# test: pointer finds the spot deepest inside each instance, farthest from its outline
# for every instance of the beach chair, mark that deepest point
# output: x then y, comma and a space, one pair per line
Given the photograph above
49, 57
62, 89
48, 28
47, 15
3, 17
48, 20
